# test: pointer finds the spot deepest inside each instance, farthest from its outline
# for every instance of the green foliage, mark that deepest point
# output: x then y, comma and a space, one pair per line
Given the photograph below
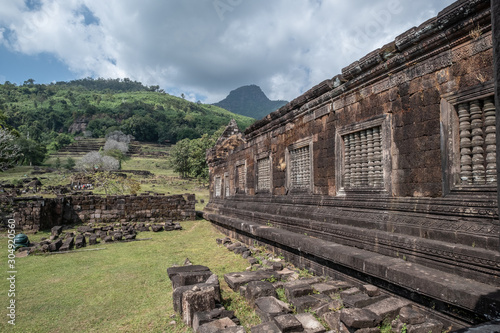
188, 157
10, 152
58, 162
44, 112
33, 152
280, 292
70, 163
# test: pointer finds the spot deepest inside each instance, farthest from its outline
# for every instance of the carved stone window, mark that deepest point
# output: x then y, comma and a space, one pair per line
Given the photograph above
469, 140
218, 187
299, 166
226, 185
264, 174
363, 163
363, 159
240, 182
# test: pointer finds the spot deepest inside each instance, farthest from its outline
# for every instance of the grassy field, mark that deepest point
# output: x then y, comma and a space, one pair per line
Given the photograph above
123, 288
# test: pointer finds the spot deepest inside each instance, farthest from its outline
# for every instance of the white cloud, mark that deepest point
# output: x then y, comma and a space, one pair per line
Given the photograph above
205, 48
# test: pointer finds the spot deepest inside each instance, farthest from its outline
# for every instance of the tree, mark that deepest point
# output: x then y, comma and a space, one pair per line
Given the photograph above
10, 152
70, 163
95, 161
33, 152
179, 157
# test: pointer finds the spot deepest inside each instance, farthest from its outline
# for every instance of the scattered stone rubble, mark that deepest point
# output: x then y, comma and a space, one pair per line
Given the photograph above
315, 304
89, 234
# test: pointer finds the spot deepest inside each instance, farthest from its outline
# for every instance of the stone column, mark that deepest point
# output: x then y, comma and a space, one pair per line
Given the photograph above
495, 27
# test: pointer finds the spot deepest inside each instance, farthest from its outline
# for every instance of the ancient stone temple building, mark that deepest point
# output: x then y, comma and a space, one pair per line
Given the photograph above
385, 173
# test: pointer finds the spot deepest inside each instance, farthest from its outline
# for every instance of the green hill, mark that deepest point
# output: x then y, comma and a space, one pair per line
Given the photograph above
94, 107
250, 101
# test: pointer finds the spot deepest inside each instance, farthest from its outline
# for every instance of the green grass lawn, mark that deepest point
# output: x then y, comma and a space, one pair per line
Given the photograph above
124, 288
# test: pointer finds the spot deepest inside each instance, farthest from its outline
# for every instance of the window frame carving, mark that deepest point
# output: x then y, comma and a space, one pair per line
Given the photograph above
260, 157
306, 142
218, 187
237, 166
385, 124
450, 139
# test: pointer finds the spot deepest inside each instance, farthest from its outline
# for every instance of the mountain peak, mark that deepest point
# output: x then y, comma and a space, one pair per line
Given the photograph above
249, 101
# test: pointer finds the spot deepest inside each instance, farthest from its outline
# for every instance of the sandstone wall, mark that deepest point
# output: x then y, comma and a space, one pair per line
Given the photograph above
36, 213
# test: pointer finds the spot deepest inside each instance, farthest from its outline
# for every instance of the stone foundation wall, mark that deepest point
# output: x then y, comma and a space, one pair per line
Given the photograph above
37, 213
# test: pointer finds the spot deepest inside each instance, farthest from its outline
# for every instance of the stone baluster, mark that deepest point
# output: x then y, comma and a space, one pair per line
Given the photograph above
357, 160
370, 157
377, 156
465, 144
490, 140
347, 161
364, 159
476, 117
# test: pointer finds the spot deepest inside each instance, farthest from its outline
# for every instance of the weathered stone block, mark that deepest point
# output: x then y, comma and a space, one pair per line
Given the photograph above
430, 326
93, 240
388, 308
54, 246
172, 271
201, 318
297, 290
56, 231
304, 303
288, 323
257, 289
359, 318
197, 300
268, 327
309, 323
215, 326
270, 307
190, 278
371, 290
350, 291
325, 288
80, 241
235, 280
411, 316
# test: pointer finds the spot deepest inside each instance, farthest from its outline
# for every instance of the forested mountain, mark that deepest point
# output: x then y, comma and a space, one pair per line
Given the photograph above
94, 107
250, 101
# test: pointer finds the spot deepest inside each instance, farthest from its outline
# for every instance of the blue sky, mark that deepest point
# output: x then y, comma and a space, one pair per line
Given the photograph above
202, 48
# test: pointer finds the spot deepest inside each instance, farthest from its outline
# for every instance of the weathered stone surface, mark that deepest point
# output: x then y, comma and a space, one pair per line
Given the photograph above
257, 289
268, 327
216, 325
201, 318
233, 246
197, 300
333, 320
117, 236
371, 290
359, 318
107, 239
93, 240
270, 307
309, 323
350, 292
288, 323
54, 246
235, 280
179, 292
130, 237
361, 300
156, 228
80, 241
172, 271
297, 290
333, 305
190, 278
411, 316
388, 308
56, 230
368, 330
430, 326
325, 288
304, 303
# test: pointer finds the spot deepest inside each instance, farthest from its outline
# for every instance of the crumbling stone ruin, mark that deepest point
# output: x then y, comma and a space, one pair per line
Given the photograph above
37, 213
385, 173
90, 234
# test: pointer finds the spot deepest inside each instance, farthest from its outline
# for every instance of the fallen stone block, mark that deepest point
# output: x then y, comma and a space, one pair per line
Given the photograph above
269, 307
268, 327
201, 318
332, 319
371, 290
288, 323
107, 239
277, 266
235, 280
257, 289
411, 316
388, 308
349, 292
56, 231
215, 326
130, 237
309, 323
190, 278
233, 246
297, 290
325, 288
197, 300
117, 236
334, 305
56, 245
368, 330
80, 241
359, 318
246, 254
93, 240
156, 228
340, 285
304, 303
240, 249
172, 271
179, 292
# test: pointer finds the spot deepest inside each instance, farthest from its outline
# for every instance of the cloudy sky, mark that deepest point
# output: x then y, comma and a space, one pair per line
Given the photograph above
202, 48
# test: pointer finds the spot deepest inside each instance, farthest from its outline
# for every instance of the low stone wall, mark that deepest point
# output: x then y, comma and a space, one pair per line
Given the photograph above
36, 213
